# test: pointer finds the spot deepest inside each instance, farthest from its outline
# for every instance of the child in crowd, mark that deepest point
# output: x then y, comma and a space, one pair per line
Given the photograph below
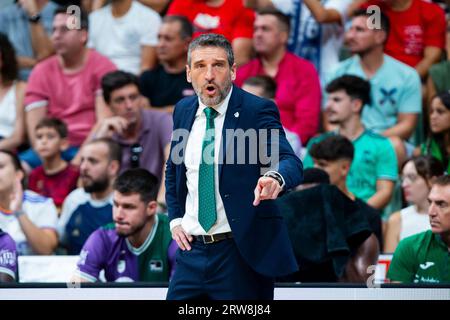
56, 178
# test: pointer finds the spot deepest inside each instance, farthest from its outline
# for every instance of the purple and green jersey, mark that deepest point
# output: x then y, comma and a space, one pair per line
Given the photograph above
8, 255
105, 250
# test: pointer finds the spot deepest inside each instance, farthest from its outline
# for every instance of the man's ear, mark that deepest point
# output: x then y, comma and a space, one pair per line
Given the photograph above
188, 74
151, 208
187, 41
345, 166
84, 37
380, 36
233, 72
114, 168
357, 105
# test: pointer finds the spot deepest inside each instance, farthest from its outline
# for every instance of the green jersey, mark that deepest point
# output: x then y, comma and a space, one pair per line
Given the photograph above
421, 258
108, 251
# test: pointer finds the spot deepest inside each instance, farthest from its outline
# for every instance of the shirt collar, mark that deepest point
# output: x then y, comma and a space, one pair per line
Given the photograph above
221, 108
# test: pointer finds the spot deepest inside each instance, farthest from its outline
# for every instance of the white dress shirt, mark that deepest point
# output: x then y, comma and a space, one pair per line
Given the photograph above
189, 222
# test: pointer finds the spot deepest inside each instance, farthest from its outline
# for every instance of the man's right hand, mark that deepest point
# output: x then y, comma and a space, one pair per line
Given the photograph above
182, 238
112, 125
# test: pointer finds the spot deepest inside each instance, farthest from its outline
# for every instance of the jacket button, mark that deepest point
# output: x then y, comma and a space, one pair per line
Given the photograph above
226, 195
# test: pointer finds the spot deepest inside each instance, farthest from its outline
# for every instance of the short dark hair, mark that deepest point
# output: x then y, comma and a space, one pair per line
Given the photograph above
186, 28
115, 80
385, 24
9, 66
442, 181
333, 148
268, 85
139, 181
84, 19
115, 150
55, 123
283, 20
355, 87
211, 40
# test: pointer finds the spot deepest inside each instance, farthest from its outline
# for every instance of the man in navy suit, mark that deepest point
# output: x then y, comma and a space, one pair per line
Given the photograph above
229, 159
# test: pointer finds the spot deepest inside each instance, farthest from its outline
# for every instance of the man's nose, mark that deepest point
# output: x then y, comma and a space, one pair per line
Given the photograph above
83, 166
128, 103
119, 213
348, 35
209, 75
432, 210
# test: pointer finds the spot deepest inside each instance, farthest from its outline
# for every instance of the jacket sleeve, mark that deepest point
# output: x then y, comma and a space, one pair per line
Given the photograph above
282, 158
173, 205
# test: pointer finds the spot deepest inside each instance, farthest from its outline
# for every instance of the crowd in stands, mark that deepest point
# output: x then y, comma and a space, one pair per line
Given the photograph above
86, 103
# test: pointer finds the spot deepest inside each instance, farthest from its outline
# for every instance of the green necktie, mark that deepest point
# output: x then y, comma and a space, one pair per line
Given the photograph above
206, 187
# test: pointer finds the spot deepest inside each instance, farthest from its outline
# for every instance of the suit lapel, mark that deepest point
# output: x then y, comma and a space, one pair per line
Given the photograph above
231, 120
189, 116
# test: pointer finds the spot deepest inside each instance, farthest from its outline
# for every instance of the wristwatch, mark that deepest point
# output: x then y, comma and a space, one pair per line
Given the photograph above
35, 18
275, 175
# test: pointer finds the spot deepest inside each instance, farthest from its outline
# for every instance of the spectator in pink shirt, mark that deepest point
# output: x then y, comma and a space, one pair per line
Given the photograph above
67, 85
298, 89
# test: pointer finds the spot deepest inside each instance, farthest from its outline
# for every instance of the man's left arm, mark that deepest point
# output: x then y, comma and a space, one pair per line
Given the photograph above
383, 195
166, 125
174, 208
431, 56
406, 124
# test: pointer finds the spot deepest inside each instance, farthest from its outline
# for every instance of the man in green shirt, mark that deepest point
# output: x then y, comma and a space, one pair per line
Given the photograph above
425, 257
374, 168
139, 245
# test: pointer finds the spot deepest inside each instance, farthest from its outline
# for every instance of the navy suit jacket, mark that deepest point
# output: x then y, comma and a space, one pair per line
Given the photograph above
259, 232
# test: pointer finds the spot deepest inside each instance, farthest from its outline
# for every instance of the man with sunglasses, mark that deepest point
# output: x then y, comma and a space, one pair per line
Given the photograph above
143, 134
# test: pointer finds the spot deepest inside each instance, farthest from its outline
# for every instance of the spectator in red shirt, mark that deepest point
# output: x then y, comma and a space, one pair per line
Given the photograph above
417, 35
56, 178
227, 17
298, 89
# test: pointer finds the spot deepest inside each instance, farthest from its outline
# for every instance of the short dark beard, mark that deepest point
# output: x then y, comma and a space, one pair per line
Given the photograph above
99, 185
